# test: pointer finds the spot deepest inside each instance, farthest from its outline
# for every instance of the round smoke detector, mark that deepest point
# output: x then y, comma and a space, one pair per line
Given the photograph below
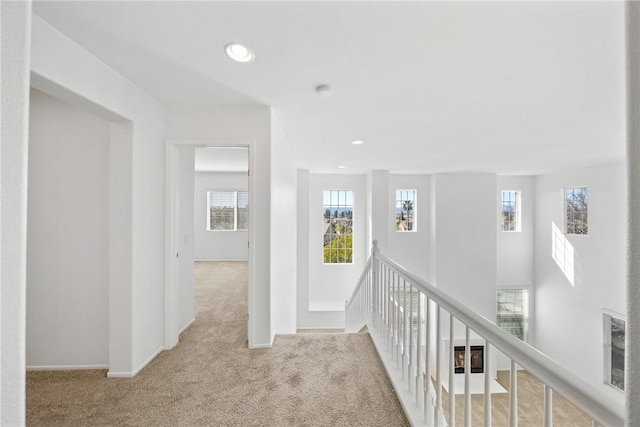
323, 91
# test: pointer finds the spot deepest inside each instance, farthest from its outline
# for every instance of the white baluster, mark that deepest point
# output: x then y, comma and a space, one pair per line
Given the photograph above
548, 406
438, 411
398, 326
467, 379
487, 385
410, 368
384, 313
513, 395
418, 345
405, 316
426, 382
393, 316
389, 312
452, 370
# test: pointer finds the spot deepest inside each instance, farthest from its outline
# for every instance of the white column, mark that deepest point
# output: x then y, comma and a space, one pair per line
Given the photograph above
16, 54
632, 369
380, 209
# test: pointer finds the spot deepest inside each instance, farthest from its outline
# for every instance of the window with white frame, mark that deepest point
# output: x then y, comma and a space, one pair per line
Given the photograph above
227, 210
511, 210
576, 203
337, 226
406, 210
513, 311
614, 350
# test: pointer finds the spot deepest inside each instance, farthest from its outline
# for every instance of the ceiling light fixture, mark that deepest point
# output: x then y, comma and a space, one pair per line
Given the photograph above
341, 167
239, 53
357, 142
323, 91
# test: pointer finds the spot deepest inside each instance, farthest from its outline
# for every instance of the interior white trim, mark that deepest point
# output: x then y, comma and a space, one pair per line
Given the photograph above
138, 369
65, 367
185, 327
171, 285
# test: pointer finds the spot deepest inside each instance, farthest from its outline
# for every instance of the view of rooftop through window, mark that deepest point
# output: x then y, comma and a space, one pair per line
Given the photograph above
337, 222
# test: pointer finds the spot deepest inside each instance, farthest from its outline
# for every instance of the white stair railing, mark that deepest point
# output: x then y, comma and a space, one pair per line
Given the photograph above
405, 315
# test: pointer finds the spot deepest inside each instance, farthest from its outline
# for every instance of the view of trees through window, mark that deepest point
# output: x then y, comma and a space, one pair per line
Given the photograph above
512, 313
337, 222
405, 210
614, 351
576, 201
227, 210
510, 211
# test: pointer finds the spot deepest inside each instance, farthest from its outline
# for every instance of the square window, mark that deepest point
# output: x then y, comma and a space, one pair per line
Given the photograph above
227, 210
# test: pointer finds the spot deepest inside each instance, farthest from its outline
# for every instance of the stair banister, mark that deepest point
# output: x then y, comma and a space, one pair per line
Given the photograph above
386, 281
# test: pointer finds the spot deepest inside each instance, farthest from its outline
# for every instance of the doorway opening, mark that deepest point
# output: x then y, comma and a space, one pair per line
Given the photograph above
209, 202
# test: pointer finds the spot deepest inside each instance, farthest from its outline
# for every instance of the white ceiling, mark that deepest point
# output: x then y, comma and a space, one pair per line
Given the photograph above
504, 87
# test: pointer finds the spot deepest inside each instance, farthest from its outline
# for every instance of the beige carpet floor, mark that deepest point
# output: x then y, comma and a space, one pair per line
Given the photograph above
211, 379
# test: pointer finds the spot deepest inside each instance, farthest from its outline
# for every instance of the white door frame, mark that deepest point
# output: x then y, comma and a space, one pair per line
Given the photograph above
172, 230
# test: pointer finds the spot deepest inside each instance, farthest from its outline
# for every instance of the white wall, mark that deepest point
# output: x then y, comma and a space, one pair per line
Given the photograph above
68, 236
410, 249
569, 318
283, 233
465, 239
16, 27
250, 125
516, 249
62, 68
463, 223
186, 280
328, 286
379, 210
305, 318
220, 245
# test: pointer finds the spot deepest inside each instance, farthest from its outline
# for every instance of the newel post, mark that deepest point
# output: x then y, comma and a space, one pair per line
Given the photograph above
375, 285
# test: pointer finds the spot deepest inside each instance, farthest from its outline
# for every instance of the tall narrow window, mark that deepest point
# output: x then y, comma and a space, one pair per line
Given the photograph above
576, 202
510, 210
227, 210
614, 350
406, 210
337, 222
513, 311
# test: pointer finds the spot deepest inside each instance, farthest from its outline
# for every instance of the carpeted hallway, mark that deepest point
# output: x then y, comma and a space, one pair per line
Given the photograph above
211, 379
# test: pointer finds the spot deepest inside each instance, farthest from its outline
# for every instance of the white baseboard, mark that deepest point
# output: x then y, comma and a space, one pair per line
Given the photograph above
65, 367
259, 346
135, 372
221, 260
185, 327
111, 374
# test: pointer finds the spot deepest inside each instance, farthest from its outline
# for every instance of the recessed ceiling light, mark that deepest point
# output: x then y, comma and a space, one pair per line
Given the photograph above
341, 167
239, 53
357, 142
